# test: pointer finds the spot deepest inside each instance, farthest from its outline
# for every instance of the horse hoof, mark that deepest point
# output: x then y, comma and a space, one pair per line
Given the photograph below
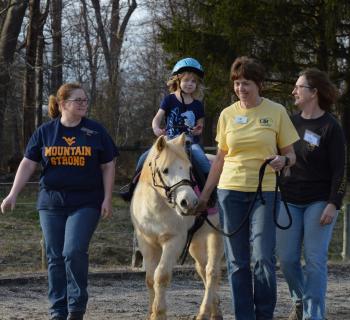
161, 316
217, 318
202, 317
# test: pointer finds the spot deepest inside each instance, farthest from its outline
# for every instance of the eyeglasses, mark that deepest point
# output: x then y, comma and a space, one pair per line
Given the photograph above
79, 101
296, 87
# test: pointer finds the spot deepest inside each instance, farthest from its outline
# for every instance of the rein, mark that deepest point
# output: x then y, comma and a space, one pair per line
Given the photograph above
260, 194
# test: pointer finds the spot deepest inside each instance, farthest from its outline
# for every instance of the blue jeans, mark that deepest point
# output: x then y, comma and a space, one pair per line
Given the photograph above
199, 159
141, 160
306, 286
254, 298
67, 234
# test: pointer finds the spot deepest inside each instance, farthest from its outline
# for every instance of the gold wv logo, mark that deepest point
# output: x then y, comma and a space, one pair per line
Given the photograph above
69, 141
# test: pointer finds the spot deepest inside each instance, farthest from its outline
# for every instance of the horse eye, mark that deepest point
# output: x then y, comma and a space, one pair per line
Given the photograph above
166, 171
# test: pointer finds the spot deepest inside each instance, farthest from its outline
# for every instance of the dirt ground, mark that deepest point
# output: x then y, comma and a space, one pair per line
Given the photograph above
121, 295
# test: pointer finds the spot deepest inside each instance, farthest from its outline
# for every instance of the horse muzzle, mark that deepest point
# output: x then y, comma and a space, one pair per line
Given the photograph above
186, 203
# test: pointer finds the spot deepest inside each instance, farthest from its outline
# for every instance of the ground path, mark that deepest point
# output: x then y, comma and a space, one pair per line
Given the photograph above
122, 295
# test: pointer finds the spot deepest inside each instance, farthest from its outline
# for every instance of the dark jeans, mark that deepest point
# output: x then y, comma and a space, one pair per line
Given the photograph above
67, 234
254, 296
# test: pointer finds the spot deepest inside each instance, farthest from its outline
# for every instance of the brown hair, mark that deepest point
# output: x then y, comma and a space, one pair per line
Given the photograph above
63, 93
174, 83
327, 92
249, 69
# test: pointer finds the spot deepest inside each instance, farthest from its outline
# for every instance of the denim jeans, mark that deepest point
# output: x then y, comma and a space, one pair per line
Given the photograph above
199, 159
254, 297
67, 234
309, 285
141, 160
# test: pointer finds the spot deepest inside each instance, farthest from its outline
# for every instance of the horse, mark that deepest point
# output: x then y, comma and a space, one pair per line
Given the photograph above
162, 212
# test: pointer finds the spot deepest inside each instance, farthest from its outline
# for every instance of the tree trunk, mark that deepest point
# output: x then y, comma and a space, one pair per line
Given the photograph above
57, 56
113, 51
39, 81
8, 42
29, 81
92, 58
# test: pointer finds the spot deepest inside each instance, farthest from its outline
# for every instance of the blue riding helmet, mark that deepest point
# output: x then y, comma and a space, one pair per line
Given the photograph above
188, 64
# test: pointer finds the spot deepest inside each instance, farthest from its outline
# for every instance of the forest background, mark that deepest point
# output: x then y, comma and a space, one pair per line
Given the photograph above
123, 51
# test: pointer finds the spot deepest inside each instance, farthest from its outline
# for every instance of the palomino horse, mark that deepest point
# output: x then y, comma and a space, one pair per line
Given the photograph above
162, 212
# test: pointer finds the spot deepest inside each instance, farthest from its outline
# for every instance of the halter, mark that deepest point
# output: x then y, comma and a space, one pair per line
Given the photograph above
169, 190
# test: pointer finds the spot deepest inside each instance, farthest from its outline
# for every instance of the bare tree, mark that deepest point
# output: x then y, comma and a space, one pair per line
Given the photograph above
92, 54
39, 68
36, 21
8, 41
112, 49
57, 55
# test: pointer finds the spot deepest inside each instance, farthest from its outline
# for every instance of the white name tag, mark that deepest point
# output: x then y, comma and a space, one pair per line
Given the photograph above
312, 138
241, 119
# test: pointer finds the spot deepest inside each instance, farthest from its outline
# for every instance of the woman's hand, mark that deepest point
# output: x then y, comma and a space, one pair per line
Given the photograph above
278, 162
8, 203
106, 208
328, 214
202, 205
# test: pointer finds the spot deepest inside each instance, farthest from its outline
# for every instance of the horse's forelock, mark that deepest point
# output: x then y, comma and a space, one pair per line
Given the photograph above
175, 151
169, 153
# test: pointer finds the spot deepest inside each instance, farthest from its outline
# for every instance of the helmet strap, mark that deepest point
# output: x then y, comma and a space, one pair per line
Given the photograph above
182, 99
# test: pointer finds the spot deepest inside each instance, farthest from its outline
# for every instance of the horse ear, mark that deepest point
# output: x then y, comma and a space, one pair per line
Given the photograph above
182, 139
179, 139
161, 143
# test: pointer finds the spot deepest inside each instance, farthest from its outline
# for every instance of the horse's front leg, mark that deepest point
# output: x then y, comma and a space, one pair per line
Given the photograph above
207, 250
171, 248
151, 257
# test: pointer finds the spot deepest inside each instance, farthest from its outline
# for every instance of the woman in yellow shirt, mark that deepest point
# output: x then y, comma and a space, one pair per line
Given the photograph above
250, 131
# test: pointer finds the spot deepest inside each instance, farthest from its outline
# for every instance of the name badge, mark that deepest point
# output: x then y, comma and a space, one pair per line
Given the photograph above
312, 138
241, 119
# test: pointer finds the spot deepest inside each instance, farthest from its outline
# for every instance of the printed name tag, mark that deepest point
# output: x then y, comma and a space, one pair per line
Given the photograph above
312, 138
241, 119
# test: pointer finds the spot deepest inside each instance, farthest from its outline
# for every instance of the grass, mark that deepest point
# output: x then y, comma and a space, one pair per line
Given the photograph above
111, 246
20, 241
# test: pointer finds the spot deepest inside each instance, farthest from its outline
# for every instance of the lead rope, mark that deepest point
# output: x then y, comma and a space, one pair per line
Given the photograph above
199, 221
260, 194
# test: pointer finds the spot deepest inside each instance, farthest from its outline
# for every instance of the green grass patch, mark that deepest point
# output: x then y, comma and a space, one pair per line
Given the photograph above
20, 242
111, 245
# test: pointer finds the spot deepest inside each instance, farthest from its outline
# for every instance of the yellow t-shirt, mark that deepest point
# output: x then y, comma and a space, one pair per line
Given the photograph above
249, 136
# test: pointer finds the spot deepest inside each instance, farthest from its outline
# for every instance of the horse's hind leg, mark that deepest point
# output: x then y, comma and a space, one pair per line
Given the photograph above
199, 253
215, 255
208, 256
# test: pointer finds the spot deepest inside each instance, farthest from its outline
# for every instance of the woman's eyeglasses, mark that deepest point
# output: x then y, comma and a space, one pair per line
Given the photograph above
296, 87
79, 101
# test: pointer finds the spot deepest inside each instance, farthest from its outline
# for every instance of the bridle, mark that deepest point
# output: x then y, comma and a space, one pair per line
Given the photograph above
169, 190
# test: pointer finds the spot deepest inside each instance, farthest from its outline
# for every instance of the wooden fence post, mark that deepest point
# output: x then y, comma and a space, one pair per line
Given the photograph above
346, 233
43, 255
